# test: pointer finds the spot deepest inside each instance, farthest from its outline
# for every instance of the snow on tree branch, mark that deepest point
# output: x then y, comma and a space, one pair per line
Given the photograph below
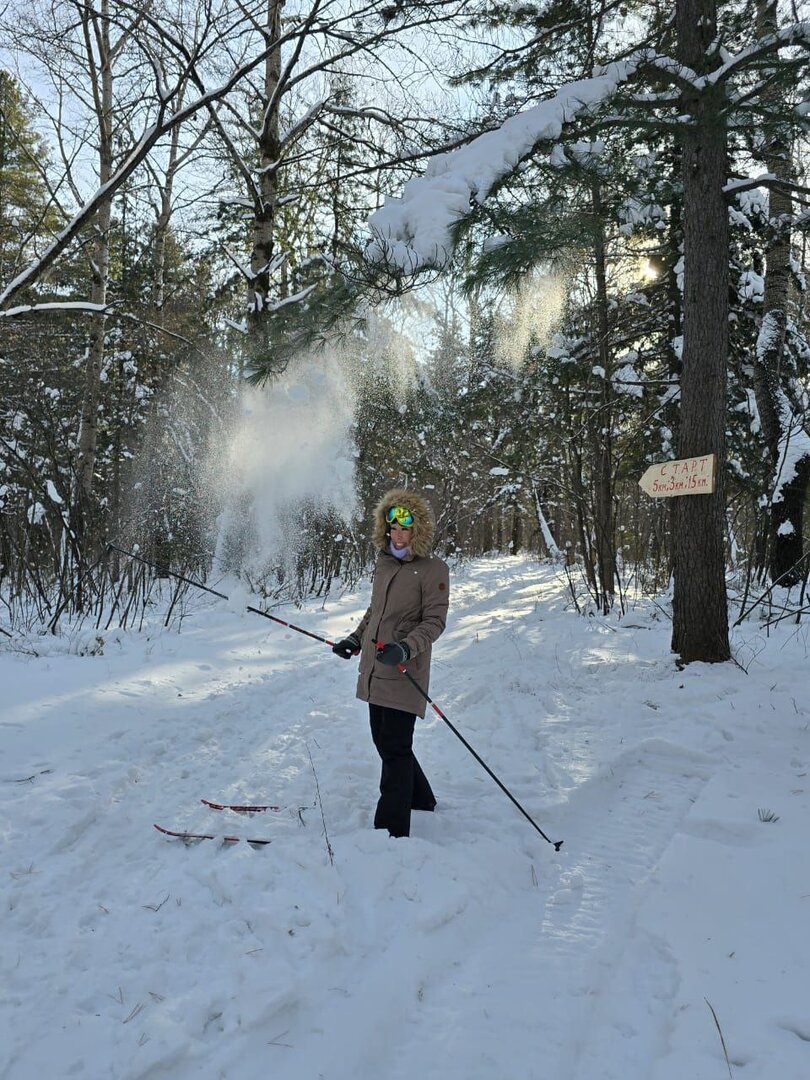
794, 443
795, 34
81, 306
414, 232
794, 448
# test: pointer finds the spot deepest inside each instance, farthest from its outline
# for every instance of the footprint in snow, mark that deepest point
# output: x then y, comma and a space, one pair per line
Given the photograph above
570, 891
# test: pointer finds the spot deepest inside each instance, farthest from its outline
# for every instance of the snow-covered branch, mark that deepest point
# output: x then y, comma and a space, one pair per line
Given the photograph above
414, 232
765, 180
83, 307
795, 34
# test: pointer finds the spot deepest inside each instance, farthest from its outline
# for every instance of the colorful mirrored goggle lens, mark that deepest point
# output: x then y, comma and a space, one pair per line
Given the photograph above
401, 515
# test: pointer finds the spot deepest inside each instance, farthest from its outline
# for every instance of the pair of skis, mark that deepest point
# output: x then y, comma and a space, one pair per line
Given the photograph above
239, 808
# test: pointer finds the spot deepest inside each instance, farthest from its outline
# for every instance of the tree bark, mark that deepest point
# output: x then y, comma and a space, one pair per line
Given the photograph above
604, 524
786, 511
100, 69
269, 151
700, 606
162, 226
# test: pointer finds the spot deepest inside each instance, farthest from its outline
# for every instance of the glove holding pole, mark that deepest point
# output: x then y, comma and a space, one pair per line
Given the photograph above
347, 647
394, 654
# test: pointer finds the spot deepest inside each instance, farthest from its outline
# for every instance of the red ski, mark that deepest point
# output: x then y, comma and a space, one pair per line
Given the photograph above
246, 809
189, 836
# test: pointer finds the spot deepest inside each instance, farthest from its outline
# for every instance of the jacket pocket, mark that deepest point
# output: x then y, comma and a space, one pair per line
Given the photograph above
404, 627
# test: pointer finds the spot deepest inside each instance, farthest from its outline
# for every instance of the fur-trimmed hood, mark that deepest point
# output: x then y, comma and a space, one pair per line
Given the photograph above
423, 525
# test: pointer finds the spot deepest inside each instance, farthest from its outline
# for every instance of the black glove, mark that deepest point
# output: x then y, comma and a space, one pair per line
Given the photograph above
347, 648
394, 654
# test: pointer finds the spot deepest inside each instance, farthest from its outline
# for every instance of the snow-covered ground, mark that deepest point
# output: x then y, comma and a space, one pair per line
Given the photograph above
471, 950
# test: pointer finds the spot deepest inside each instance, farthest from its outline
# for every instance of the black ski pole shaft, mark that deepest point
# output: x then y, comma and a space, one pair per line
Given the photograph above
169, 573
221, 595
556, 844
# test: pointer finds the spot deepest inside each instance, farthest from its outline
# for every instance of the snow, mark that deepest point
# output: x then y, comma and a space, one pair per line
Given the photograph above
548, 537
751, 287
415, 231
788, 35
55, 306
732, 186
635, 212
289, 445
296, 298
753, 409
53, 494
626, 380
794, 448
470, 950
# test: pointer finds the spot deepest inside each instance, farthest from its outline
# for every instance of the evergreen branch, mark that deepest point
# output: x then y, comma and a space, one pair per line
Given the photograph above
797, 34
766, 180
85, 307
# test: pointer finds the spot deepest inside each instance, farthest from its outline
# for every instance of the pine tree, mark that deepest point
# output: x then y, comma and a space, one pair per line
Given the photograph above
26, 213
696, 82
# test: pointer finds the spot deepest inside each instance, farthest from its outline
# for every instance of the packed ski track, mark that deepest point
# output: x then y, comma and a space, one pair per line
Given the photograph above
676, 910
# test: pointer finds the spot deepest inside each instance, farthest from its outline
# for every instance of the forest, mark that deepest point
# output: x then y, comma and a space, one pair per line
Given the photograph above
259, 261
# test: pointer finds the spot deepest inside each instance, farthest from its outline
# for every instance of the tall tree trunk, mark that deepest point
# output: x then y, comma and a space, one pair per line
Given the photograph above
99, 59
270, 151
162, 226
516, 541
700, 607
159, 510
6, 136
671, 413
786, 512
602, 432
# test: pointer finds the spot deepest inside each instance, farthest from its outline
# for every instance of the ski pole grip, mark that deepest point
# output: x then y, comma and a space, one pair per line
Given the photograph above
400, 667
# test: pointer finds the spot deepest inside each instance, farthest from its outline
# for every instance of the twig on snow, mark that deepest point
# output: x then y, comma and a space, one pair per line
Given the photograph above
156, 907
720, 1033
329, 851
138, 1009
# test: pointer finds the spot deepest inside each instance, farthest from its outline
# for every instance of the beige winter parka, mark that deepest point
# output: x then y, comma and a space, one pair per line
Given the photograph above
409, 600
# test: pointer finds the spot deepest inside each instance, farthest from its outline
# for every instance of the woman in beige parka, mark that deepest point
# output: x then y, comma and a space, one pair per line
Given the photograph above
408, 612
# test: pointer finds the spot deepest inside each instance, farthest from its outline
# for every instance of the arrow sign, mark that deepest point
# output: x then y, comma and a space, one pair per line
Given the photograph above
688, 476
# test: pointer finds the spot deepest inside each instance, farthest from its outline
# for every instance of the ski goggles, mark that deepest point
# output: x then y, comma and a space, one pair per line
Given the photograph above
400, 514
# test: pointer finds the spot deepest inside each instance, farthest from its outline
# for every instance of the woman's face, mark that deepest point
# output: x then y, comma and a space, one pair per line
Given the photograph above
400, 536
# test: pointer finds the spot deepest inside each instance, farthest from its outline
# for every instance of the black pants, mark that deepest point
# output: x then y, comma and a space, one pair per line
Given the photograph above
403, 785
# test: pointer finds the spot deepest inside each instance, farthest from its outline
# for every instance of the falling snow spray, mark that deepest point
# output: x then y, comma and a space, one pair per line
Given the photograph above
533, 314
289, 447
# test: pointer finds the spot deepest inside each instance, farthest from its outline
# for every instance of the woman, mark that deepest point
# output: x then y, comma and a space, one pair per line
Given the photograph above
408, 612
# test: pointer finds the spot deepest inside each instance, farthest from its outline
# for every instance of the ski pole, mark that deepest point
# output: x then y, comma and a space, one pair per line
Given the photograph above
557, 844
214, 592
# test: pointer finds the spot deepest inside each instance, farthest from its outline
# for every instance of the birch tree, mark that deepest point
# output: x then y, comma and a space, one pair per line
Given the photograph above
317, 94
782, 402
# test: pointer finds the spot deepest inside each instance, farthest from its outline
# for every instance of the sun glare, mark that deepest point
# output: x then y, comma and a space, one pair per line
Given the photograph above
647, 271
